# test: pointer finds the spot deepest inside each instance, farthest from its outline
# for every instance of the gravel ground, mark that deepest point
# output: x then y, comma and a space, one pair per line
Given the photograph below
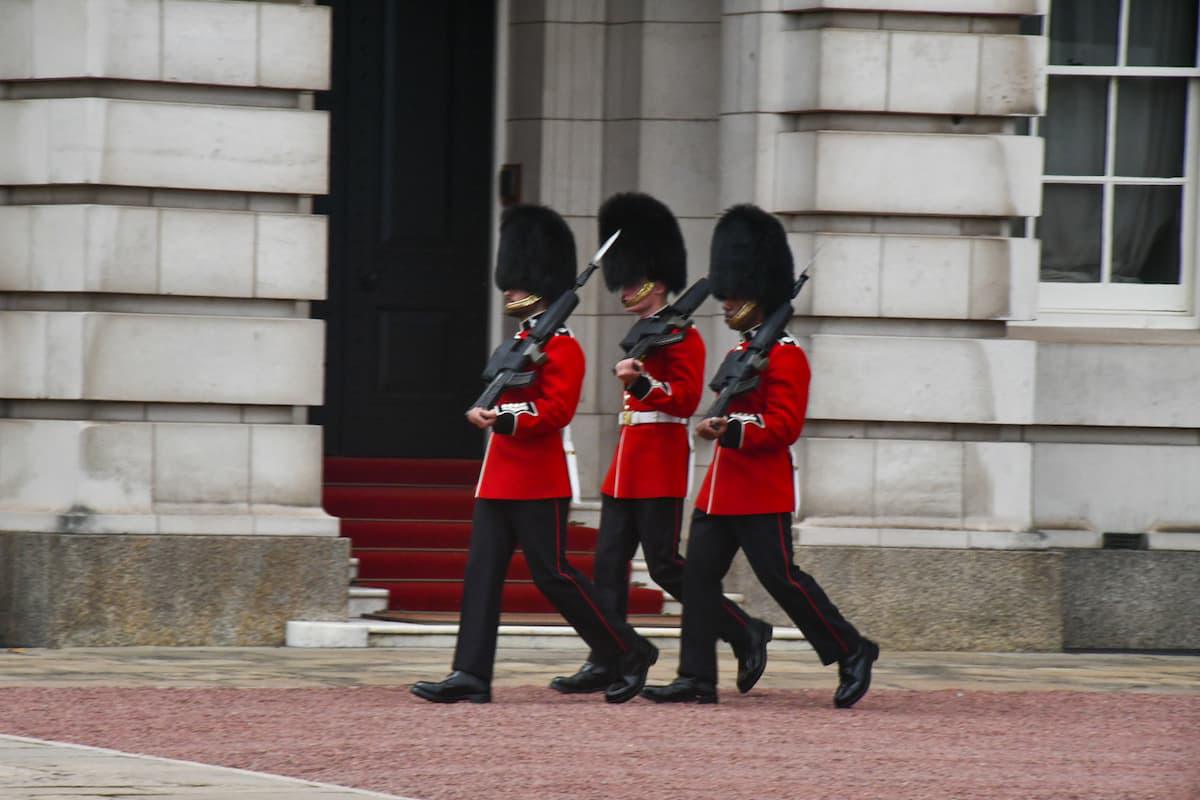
531, 743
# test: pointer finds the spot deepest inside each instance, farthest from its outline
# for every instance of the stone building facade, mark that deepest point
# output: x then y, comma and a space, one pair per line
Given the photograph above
976, 437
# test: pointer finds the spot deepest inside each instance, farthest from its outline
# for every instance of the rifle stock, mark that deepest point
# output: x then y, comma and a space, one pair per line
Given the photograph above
739, 372
512, 363
668, 326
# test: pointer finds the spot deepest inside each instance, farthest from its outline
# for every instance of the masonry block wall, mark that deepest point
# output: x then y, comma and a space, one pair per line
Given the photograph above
606, 97
157, 257
884, 133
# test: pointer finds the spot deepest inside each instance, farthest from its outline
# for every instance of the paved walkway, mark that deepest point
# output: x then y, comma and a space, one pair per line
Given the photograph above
32, 769
281, 667
36, 770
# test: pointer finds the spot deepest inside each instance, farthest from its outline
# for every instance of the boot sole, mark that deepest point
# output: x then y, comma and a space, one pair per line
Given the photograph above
434, 698
566, 690
699, 699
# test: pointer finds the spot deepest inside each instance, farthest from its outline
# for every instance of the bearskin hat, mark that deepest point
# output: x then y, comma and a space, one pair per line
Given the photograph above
651, 245
750, 258
536, 252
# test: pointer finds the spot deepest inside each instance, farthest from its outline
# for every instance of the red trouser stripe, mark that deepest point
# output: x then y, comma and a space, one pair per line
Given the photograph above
558, 551
787, 569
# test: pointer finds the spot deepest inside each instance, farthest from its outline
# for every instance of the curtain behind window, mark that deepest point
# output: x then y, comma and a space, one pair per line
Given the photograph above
1149, 141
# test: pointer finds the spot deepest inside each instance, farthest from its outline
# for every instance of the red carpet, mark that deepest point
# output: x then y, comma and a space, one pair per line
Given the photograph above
409, 523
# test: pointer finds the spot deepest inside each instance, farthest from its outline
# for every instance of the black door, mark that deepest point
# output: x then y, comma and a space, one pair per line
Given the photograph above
409, 217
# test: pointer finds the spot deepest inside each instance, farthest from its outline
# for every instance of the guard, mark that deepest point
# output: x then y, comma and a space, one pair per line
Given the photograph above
524, 490
642, 495
749, 493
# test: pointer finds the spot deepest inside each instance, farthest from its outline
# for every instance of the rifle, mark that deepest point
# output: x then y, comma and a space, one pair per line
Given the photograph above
511, 364
740, 370
668, 327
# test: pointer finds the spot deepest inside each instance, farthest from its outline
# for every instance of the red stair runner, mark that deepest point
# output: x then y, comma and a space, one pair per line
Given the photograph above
409, 524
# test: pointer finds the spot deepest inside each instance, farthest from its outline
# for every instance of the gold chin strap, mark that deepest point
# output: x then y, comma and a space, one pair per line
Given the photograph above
739, 316
516, 306
640, 295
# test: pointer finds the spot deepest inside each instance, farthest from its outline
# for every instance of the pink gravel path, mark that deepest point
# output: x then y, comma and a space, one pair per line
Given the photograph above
531, 743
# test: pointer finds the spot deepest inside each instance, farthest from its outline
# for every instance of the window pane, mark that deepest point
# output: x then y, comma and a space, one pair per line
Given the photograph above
1162, 33
1146, 234
1084, 32
1070, 233
1074, 125
1151, 121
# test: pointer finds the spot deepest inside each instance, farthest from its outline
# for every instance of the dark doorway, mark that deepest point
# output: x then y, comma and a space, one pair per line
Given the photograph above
409, 219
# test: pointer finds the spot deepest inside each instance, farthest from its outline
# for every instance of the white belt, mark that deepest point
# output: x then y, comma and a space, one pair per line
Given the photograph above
646, 417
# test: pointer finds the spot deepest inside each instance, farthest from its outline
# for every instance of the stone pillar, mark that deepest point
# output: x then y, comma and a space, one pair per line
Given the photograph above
883, 134
607, 97
158, 253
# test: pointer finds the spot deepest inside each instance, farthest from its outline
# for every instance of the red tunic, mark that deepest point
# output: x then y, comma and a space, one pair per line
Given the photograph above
525, 459
651, 459
751, 472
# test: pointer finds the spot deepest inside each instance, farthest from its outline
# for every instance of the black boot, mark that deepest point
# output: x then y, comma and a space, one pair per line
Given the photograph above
752, 657
590, 678
634, 666
682, 690
456, 686
854, 674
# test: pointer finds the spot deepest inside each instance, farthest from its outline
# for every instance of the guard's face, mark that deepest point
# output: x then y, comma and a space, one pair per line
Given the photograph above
643, 297
520, 303
741, 314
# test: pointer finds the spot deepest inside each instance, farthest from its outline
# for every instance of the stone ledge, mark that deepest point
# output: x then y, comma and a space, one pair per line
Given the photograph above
1002, 601
904, 72
923, 379
70, 476
1118, 385
368, 633
170, 251
863, 172
991, 7
67, 355
1131, 600
1119, 488
121, 143
919, 277
76, 590
932, 599
282, 45
941, 494
300, 522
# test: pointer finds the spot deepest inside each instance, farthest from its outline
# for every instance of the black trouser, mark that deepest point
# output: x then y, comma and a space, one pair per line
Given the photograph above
540, 527
766, 539
656, 523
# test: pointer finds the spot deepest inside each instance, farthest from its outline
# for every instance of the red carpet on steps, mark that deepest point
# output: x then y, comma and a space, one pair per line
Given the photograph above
409, 523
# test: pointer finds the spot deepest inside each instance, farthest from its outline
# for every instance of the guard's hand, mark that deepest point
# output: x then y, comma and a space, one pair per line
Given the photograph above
482, 418
712, 428
628, 370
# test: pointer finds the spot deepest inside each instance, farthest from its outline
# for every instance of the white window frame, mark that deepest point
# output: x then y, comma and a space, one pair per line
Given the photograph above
1129, 305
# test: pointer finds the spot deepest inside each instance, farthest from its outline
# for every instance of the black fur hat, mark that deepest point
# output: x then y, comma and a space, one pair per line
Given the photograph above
750, 258
651, 245
536, 252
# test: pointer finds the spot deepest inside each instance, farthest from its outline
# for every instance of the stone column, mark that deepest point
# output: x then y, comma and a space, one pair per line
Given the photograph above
158, 484
883, 133
607, 97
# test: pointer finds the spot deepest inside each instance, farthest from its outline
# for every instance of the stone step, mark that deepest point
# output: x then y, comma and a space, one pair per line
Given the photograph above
377, 633
366, 600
